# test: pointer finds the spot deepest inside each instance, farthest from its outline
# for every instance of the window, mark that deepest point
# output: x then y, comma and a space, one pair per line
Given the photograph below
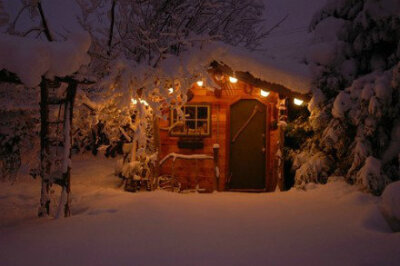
197, 121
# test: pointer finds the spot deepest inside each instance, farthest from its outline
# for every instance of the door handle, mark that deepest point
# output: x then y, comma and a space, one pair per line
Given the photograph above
255, 110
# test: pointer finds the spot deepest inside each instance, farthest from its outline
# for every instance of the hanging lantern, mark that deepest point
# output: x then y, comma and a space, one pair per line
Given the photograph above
171, 90
200, 83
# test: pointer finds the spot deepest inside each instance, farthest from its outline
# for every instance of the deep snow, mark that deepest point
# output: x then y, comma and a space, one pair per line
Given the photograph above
331, 224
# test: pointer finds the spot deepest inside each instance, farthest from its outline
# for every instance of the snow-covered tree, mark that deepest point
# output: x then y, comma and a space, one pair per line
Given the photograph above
355, 106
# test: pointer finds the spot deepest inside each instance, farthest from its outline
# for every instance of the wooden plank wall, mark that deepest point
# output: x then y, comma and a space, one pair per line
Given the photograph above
191, 174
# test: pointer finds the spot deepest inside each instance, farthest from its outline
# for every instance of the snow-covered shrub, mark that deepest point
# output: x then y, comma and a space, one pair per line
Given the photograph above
18, 141
296, 130
19, 127
314, 169
10, 157
101, 125
356, 64
371, 176
391, 205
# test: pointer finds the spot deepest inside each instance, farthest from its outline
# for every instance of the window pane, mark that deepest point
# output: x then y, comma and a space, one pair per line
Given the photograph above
190, 112
190, 124
202, 127
196, 121
202, 112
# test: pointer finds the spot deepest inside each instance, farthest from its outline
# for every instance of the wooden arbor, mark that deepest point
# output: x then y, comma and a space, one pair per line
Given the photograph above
56, 111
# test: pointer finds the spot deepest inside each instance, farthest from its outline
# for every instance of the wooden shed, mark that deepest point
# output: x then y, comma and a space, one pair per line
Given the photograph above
232, 135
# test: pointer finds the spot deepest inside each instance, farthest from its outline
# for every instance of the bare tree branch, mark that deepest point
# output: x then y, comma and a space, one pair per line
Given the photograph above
38, 29
44, 22
111, 31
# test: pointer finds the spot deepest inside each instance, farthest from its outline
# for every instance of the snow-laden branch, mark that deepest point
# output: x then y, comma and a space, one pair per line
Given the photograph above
31, 59
174, 125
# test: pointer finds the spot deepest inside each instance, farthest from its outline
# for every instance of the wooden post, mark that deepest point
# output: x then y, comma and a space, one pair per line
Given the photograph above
280, 169
216, 166
45, 164
197, 174
66, 176
282, 126
157, 147
173, 168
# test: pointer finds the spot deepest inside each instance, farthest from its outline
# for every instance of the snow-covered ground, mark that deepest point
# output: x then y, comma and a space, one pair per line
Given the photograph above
331, 224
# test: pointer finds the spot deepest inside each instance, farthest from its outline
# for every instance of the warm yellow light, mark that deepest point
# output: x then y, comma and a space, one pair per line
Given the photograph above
233, 80
171, 90
134, 101
200, 83
264, 93
297, 101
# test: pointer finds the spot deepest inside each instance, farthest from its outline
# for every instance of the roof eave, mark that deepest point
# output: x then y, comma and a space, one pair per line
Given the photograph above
257, 82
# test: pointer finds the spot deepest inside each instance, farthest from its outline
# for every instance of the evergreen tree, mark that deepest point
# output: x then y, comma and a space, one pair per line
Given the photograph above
355, 106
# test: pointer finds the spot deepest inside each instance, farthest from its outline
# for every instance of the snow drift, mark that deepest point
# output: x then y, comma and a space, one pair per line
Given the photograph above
333, 224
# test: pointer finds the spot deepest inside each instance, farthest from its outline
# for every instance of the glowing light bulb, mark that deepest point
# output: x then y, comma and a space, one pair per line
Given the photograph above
171, 90
233, 80
264, 93
297, 101
134, 101
144, 102
200, 83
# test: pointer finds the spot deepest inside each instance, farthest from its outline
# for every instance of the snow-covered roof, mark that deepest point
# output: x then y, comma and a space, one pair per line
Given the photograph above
283, 54
293, 75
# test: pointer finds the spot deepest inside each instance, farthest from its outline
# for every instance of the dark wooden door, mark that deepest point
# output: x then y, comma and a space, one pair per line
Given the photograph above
247, 162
